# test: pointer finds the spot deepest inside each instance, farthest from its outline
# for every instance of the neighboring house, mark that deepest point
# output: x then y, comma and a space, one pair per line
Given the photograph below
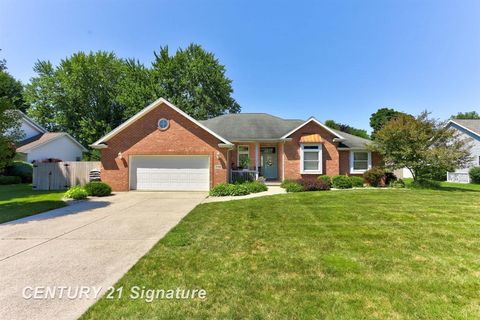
470, 130
39, 145
163, 148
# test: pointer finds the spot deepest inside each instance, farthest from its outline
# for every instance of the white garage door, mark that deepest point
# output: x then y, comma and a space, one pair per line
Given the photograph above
174, 173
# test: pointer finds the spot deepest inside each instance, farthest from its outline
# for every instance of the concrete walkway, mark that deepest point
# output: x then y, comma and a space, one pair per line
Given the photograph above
272, 190
90, 243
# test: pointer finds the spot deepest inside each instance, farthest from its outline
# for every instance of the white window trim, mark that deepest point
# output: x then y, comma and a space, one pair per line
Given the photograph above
352, 170
242, 152
320, 159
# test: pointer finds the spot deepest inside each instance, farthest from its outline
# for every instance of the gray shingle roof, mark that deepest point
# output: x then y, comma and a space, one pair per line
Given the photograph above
352, 141
263, 126
30, 143
250, 126
471, 124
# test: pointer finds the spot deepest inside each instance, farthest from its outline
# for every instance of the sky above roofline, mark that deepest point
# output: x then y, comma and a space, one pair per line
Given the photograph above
338, 60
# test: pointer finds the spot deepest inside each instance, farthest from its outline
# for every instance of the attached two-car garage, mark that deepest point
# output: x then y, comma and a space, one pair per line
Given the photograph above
169, 173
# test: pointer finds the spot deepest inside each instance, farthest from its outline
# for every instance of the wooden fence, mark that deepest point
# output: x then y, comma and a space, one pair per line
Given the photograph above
62, 175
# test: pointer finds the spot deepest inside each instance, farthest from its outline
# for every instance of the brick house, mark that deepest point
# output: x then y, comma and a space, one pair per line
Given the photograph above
163, 148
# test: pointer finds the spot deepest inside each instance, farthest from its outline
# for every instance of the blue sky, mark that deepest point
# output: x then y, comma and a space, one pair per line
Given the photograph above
338, 60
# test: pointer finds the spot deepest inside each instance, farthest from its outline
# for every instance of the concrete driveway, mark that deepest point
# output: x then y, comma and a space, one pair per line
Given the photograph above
87, 244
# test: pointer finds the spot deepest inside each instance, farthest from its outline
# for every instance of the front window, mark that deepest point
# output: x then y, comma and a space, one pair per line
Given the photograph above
243, 156
311, 161
360, 161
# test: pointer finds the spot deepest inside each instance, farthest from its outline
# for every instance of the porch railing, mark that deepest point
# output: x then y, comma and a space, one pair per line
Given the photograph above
243, 175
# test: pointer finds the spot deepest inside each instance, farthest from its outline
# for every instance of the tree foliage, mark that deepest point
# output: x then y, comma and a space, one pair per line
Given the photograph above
87, 95
194, 80
10, 101
382, 117
11, 88
348, 129
467, 115
421, 144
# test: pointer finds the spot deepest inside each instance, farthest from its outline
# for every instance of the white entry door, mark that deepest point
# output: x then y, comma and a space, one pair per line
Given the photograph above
170, 173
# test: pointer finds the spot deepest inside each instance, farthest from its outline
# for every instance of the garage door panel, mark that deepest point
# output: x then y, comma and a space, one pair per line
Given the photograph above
170, 173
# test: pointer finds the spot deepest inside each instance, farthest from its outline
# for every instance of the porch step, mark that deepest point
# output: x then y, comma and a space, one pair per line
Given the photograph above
273, 183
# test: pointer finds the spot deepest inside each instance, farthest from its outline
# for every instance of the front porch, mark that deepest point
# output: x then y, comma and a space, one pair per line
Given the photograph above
253, 160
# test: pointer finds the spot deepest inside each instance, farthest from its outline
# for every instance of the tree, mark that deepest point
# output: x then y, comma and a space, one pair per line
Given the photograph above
10, 101
381, 117
348, 129
466, 115
421, 144
195, 81
87, 95
11, 88
40, 94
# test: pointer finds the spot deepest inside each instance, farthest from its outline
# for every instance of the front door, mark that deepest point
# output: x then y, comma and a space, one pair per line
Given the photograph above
268, 161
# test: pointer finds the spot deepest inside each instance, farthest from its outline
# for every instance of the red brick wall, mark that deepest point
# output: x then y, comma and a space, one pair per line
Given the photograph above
143, 137
345, 162
330, 154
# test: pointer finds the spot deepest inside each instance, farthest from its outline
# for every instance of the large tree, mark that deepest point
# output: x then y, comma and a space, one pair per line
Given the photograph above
10, 101
11, 87
194, 80
382, 117
348, 129
88, 95
423, 145
467, 115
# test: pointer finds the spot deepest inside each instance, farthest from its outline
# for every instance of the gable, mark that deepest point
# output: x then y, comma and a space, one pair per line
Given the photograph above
469, 132
313, 121
101, 143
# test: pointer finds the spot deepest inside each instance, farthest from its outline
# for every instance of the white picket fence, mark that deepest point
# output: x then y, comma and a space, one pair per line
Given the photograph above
459, 177
62, 175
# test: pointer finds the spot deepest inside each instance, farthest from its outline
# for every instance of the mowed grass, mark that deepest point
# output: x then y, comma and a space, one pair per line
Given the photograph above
357, 254
19, 200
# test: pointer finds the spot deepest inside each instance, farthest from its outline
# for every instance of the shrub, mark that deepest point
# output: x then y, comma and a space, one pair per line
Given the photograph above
219, 190
375, 177
294, 187
342, 182
98, 189
21, 169
397, 184
326, 179
285, 183
227, 189
389, 178
256, 186
474, 174
424, 184
357, 182
76, 192
315, 184
10, 180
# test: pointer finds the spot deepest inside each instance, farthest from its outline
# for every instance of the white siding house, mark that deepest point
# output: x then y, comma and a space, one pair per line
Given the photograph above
470, 130
39, 145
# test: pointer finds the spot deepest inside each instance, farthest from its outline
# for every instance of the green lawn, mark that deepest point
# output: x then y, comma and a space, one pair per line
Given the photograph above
18, 201
357, 254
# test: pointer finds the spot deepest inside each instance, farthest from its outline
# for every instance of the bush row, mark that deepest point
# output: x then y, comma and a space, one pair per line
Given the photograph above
10, 180
322, 183
94, 188
237, 189
375, 177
